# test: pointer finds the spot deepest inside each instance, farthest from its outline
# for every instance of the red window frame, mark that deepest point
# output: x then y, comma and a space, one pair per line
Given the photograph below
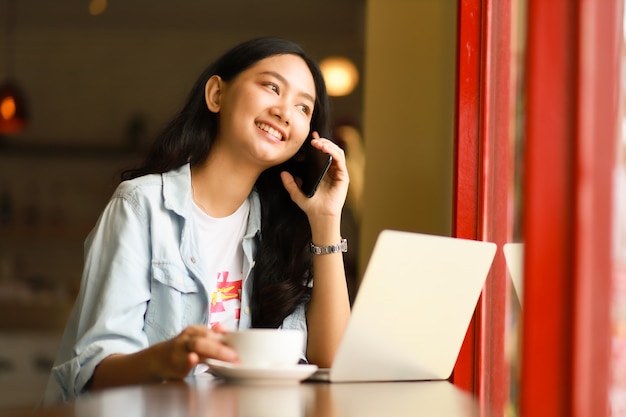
571, 119
483, 164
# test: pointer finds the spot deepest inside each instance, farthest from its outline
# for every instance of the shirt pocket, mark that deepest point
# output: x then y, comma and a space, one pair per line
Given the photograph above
175, 301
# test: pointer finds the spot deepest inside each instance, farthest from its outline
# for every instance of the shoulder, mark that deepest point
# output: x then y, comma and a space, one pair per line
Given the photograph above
138, 190
154, 185
139, 185
169, 191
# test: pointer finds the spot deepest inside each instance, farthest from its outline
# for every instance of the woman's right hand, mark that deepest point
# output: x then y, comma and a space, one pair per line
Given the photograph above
171, 359
176, 357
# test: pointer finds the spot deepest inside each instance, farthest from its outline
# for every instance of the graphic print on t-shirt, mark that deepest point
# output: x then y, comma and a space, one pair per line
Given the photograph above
226, 300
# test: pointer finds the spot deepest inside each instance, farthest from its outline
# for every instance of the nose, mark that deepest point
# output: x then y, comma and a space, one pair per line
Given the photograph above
282, 113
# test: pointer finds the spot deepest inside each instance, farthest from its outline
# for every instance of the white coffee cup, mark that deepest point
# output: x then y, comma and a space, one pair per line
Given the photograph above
266, 348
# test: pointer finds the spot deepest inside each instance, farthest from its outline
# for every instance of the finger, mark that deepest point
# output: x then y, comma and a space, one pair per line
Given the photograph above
218, 328
216, 349
179, 360
192, 360
329, 147
187, 336
210, 344
191, 357
188, 341
338, 169
291, 186
193, 335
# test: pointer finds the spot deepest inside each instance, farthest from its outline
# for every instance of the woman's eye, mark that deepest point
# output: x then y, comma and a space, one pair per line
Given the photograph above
304, 108
272, 87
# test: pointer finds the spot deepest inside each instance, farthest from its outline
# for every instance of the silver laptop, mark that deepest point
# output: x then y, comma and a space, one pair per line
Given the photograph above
412, 309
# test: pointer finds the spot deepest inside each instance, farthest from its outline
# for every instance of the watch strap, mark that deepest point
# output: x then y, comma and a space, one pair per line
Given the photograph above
325, 250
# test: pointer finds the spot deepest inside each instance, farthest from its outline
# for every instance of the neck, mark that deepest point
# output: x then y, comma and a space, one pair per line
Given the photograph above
220, 186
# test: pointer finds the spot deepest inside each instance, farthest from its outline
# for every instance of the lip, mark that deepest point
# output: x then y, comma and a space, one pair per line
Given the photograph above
273, 126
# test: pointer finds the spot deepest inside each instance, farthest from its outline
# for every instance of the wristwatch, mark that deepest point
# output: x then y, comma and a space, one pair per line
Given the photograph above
325, 250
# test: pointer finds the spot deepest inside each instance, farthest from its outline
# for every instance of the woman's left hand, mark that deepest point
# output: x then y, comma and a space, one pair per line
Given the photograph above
329, 199
329, 307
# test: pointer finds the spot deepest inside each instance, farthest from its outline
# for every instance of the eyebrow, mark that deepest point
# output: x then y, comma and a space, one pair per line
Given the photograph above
284, 80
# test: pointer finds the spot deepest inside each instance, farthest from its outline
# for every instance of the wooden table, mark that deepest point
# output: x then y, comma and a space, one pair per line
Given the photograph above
208, 397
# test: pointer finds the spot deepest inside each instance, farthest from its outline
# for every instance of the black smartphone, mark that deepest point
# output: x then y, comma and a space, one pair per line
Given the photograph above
311, 169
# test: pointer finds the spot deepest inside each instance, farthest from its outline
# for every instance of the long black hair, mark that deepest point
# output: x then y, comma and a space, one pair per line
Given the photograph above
282, 268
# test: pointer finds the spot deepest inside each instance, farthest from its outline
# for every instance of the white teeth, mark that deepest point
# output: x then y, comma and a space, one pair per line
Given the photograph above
270, 130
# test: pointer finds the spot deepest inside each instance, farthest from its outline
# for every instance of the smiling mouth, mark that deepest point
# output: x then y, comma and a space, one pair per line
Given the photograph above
270, 130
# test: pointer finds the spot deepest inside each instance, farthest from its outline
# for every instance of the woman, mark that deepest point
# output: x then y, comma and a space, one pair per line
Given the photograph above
213, 210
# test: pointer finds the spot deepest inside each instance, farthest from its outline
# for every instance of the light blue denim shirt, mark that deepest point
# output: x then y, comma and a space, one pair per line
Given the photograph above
143, 281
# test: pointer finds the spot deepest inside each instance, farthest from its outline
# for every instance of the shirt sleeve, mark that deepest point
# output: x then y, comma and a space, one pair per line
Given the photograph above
108, 315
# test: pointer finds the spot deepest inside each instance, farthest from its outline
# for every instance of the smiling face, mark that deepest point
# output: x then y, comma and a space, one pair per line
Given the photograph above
265, 112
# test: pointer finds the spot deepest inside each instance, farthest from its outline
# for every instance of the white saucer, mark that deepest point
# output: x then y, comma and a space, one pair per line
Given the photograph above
287, 375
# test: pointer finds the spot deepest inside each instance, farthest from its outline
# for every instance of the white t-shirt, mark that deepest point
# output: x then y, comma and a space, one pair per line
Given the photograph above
220, 240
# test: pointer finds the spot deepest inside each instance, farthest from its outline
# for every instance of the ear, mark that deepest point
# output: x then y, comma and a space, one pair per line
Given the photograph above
213, 93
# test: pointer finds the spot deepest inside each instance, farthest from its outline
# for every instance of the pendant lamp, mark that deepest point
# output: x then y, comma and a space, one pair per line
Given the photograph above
13, 107
340, 75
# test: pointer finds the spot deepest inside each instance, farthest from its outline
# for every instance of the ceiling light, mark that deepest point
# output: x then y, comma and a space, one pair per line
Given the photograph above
13, 110
97, 7
340, 75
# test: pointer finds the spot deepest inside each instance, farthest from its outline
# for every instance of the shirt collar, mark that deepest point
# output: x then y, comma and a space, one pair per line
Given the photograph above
177, 190
177, 196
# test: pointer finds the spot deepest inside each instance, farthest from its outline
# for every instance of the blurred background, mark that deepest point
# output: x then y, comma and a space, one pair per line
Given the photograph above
95, 80
98, 79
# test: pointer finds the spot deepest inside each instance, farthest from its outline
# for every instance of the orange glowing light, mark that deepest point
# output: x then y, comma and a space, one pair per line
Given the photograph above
7, 108
340, 75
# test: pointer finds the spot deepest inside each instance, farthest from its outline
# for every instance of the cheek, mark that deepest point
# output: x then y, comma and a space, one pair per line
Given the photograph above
297, 144
301, 131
